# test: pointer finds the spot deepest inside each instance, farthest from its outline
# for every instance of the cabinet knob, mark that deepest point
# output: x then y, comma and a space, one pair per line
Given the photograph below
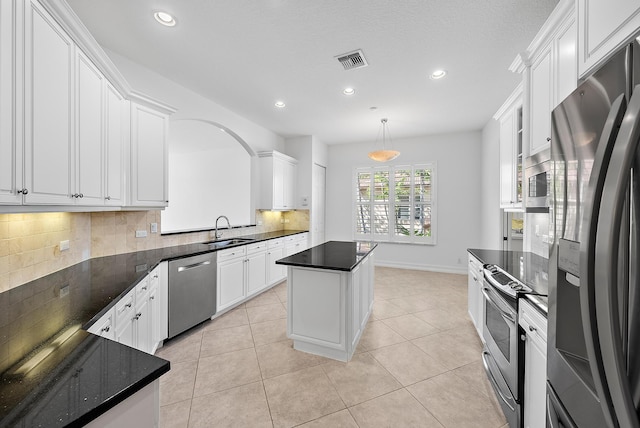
155, 276
144, 288
108, 198
137, 317
532, 328
548, 139
23, 191
75, 195
106, 329
152, 297
128, 305
80, 195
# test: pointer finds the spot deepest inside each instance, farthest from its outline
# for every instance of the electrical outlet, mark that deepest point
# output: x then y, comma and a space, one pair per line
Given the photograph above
64, 291
141, 233
154, 227
286, 220
64, 245
259, 222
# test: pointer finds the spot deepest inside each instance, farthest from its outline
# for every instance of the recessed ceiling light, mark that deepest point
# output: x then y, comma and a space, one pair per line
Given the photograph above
164, 18
280, 104
349, 91
438, 74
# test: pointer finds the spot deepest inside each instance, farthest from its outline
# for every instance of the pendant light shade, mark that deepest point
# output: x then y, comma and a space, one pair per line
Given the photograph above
385, 154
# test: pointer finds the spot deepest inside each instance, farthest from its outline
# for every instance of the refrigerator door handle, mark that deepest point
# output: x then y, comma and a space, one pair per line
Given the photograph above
586, 282
606, 265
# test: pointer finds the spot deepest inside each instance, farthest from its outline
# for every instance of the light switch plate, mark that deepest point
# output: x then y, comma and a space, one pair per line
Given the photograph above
154, 227
141, 233
64, 245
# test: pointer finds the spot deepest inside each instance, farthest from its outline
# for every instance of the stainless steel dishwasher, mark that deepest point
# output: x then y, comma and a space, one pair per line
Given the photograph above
192, 291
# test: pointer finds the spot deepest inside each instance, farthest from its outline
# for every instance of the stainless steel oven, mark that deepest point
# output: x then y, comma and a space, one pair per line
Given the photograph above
501, 353
537, 175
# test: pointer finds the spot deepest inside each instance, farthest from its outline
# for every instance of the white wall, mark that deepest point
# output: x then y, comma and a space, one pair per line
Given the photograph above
490, 212
458, 158
191, 105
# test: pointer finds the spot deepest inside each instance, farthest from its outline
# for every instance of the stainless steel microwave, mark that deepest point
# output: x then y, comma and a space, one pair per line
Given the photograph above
537, 174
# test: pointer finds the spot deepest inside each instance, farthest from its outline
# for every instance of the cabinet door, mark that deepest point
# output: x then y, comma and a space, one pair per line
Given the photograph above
507, 174
10, 146
148, 157
105, 326
275, 272
541, 87
49, 56
256, 272
230, 283
116, 133
154, 317
603, 26
289, 186
89, 143
142, 325
279, 179
566, 62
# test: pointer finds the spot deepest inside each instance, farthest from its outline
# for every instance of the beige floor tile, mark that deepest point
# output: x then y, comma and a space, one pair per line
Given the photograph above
269, 331
410, 327
233, 318
383, 309
226, 371
266, 313
361, 379
177, 385
437, 395
413, 304
216, 342
281, 291
407, 363
376, 335
175, 415
441, 319
341, 419
396, 409
302, 396
244, 406
450, 349
475, 376
279, 358
185, 347
269, 297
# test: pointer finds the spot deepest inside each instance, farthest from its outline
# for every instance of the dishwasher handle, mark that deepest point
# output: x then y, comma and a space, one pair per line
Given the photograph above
193, 266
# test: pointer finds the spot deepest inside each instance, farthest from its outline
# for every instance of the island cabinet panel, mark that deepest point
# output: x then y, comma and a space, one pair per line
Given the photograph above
319, 317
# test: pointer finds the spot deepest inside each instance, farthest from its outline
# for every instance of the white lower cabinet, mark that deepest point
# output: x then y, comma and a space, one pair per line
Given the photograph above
139, 319
242, 272
275, 251
534, 333
295, 243
256, 270
474, 293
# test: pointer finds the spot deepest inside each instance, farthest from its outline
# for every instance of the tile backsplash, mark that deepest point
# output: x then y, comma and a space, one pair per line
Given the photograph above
30, 243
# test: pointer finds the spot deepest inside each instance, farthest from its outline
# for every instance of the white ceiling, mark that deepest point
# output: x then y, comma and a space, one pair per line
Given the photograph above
246, 54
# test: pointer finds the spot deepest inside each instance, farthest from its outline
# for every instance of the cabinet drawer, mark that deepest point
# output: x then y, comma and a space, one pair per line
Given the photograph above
275, 243
256, 247
232, 253
531, 320
125, 307
142, 289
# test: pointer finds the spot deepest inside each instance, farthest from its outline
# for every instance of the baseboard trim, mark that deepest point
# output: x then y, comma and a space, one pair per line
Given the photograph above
430, 268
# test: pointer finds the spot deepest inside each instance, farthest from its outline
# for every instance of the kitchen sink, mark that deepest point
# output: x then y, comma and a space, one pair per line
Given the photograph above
228, 242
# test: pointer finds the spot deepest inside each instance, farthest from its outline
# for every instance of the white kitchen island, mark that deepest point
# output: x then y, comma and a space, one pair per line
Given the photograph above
330, 297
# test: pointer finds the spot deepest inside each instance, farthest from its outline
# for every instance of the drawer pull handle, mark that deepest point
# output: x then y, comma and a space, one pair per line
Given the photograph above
106, 329
128, 305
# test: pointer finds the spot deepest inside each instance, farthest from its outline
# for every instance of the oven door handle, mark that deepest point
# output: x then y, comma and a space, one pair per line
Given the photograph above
494, 382
506, 315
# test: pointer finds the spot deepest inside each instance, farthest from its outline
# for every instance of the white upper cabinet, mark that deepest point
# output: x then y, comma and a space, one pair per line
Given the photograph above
89, 151
549, 67
603, 27
10, 146
48, 98
149, 153
510, 118
116, 138
278, 173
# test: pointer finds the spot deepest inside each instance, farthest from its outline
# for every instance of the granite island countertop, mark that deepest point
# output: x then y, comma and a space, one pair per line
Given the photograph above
52, 372
332, 255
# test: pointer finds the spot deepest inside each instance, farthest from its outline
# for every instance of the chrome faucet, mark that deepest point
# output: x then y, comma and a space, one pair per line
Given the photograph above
219, 234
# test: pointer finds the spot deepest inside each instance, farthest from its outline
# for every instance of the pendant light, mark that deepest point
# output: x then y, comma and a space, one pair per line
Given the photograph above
384, 155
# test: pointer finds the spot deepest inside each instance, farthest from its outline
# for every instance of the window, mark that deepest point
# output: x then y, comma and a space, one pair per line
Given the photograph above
395, 204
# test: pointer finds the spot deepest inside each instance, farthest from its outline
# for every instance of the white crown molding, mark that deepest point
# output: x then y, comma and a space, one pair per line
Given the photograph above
517, 93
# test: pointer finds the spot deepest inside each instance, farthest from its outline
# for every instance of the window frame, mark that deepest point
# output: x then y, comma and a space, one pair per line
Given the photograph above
391, 204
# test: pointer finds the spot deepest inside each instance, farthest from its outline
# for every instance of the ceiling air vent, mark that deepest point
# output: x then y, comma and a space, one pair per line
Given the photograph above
352, 60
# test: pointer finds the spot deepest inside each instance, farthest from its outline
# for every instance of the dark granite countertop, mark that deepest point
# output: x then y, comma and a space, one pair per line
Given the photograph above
529, 268
42, 320
332, 255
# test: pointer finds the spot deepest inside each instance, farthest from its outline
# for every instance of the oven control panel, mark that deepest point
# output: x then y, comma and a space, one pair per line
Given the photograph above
504, 282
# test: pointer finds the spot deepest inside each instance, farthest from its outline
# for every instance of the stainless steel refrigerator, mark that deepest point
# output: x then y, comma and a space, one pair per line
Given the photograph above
593, 368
